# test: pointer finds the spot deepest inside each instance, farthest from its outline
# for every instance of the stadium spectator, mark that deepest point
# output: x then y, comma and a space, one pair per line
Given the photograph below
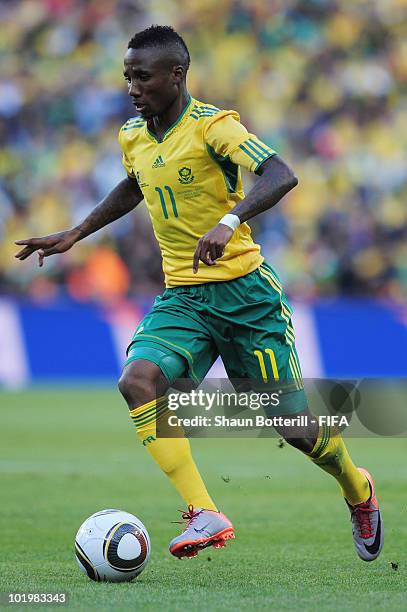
323, 82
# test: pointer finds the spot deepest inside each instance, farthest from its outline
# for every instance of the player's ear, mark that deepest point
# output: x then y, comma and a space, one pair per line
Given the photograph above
178, 73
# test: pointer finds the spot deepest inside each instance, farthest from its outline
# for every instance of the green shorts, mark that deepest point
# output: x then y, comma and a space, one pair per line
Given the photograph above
247, 321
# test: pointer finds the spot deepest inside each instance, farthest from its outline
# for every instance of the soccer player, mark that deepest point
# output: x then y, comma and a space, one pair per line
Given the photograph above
183, 157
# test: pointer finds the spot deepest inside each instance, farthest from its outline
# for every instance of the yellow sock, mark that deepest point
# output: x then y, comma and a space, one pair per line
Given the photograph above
173, 455
330, 454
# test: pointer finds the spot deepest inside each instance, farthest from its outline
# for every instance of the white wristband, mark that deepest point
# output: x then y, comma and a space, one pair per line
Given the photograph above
231, 221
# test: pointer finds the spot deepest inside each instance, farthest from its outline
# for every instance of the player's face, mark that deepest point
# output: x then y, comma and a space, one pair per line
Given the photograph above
153, 83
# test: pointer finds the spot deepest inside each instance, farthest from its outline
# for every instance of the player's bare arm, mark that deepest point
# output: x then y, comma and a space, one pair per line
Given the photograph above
121, 200
275, 181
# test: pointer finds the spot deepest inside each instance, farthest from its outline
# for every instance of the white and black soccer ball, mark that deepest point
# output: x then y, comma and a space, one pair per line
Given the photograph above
112, 546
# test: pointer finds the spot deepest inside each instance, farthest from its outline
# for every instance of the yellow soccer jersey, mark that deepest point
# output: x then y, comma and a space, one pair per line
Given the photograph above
190, 180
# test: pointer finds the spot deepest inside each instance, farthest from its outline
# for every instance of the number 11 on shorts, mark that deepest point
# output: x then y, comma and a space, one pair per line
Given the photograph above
262, 363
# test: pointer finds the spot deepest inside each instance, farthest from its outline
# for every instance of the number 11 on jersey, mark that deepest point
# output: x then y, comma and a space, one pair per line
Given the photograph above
163, 203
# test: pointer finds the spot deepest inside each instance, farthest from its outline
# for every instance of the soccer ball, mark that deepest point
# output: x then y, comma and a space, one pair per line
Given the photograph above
112, 546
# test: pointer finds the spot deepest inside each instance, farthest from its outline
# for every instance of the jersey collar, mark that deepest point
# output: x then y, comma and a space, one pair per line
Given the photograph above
174, 125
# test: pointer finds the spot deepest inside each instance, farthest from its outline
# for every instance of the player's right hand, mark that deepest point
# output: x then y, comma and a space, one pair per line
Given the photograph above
47, 245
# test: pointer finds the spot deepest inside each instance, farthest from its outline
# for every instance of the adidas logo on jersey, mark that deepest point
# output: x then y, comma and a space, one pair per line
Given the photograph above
159, 162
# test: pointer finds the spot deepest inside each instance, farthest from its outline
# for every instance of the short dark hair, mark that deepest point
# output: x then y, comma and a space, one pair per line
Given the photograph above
161, 36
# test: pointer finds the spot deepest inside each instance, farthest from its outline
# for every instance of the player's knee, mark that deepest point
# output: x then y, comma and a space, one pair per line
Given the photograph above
139, 382
303, 444
301, 432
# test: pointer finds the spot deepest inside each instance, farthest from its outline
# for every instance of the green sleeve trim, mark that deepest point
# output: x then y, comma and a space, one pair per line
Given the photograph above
255, 157
265, 159
258, 152
254, 144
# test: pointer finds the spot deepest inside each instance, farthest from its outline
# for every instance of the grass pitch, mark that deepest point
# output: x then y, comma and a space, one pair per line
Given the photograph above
67, 454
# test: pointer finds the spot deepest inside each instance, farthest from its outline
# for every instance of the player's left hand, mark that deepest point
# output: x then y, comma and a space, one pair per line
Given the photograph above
212, 246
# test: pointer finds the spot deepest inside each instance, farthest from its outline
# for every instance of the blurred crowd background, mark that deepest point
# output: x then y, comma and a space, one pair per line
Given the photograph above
321, 81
